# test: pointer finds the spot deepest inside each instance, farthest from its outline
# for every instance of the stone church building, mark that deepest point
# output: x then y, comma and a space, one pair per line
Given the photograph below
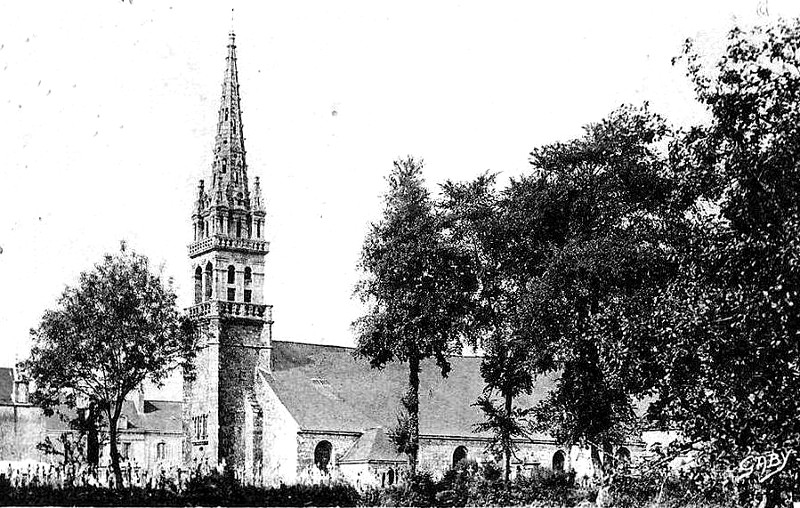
278, 410
291, 410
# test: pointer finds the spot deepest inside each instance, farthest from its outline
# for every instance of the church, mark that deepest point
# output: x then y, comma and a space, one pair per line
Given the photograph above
287, 410
280, 411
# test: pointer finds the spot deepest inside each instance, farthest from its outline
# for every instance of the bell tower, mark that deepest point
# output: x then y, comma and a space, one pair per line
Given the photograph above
221, 414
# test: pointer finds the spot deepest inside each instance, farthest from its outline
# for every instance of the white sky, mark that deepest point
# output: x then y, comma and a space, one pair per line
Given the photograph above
107, 110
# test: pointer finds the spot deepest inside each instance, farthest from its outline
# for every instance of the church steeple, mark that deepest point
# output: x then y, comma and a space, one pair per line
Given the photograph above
229, 168
234, 325
225, 206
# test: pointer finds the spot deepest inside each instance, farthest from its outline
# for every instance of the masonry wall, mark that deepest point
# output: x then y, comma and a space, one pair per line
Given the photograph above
279, 435
240, 348
308, 441
201, 397
22, 427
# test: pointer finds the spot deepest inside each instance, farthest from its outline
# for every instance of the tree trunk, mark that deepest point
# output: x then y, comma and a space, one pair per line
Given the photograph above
113, 420
92, 435
413, 412
596, 462
506, 437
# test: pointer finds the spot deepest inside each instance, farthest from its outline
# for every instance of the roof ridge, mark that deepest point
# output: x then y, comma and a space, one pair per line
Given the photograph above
352, 348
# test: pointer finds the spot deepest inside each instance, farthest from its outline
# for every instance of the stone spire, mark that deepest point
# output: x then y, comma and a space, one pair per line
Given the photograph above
229, 168
224, 205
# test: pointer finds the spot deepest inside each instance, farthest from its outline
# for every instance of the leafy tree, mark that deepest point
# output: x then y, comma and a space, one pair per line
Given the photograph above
119, 326
414, 286
493, 232
613, 227
79, 444
731, 324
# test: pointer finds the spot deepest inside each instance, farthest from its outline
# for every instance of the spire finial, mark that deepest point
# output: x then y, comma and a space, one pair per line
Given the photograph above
231, 33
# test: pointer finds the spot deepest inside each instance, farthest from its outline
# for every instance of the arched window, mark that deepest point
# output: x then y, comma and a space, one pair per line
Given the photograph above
231, 274
390, 477
459, 454
209, 279
322, 455
161, 451
248, 275
238, 229
258, 229
558, 461
198, 285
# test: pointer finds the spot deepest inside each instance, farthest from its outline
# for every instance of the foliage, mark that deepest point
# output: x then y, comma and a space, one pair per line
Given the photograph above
730, 324
502, 250
612, 228
413, 286
117, 327
212, 490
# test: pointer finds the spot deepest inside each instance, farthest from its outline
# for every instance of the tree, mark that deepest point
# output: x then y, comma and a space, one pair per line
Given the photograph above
487, 229
613, 225
119, 326
415, 287
730, 324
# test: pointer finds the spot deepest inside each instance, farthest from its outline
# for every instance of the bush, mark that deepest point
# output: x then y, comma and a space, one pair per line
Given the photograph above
212, 490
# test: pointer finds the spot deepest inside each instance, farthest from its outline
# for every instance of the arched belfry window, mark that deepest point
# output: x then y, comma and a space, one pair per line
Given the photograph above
198, 285
322, 455
231, 274
209, 278
558, 461
248, 275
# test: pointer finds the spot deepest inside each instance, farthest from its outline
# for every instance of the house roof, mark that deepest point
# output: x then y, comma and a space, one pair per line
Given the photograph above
327, 388
157, 416
373, 446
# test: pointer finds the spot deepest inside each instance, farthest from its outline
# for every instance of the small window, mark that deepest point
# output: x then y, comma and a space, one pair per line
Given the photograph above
322, 455
231, 274
205, 426
558, 461
231, 294
198, 285
248, 296
390, 477
208, 280
459, 455
125, 451
248, 275
161, 451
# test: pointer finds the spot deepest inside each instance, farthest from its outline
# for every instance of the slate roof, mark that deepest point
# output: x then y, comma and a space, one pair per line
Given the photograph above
158, 417
326, 388
373, 446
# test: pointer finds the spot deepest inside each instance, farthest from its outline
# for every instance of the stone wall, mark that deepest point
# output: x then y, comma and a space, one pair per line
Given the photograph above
307, 442
22, 427
239, 357
201, 396
279, 435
